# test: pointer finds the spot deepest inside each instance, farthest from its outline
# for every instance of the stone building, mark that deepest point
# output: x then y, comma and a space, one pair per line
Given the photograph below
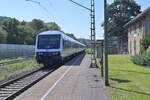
137, 28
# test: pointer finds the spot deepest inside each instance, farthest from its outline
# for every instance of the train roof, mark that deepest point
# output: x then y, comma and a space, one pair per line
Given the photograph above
66, 37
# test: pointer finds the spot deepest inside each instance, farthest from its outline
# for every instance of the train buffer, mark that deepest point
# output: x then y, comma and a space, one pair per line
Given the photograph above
75, 80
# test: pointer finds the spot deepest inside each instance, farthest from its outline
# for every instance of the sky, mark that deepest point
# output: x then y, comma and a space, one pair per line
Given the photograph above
70, 17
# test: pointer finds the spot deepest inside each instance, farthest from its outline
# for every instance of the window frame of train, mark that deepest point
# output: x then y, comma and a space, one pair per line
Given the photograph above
49, 41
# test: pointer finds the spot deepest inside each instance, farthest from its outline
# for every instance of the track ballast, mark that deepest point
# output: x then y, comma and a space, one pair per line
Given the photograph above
12, 88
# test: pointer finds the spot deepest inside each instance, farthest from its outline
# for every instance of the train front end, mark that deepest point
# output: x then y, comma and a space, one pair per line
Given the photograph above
48, 48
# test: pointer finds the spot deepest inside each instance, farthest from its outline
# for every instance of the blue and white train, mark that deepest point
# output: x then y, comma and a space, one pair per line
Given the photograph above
54, 47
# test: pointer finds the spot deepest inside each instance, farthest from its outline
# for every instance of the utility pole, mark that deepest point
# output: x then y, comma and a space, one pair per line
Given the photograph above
102, 59
93, 39
105, 44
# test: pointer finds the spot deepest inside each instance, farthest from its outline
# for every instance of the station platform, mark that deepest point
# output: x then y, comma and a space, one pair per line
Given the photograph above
73, 81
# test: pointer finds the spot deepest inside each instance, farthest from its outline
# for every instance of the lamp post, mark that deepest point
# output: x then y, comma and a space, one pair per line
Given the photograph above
105, 44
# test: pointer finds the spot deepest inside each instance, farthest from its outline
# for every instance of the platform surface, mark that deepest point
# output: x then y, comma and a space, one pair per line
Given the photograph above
73, 81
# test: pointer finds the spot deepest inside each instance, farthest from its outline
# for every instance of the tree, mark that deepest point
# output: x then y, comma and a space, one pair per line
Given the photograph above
10, 26
3, 35
53, 26
36, 25
23, 23
12, 31
3, 19
25, 35
119, 13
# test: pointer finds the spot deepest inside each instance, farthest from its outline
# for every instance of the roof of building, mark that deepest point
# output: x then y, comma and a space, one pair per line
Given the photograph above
144, 13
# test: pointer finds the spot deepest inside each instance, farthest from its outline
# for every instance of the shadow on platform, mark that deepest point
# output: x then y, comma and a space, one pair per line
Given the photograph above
93, 65
80, 59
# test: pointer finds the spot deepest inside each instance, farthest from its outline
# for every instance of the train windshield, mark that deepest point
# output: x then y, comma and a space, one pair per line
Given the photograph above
48, 42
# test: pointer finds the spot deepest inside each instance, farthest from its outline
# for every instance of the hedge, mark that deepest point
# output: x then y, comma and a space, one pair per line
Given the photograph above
142, 59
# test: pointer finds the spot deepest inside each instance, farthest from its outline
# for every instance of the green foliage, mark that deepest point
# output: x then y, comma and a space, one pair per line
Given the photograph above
146, 42
119, 13
11, 59
3, 35
3, 19
128, 81
89, 51
148, 50
25, 35
36, 24
142, 59
16, 32
52, 26
10, 26
17, 68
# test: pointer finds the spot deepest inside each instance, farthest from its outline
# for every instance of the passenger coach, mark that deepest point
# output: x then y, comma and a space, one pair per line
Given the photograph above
55, 46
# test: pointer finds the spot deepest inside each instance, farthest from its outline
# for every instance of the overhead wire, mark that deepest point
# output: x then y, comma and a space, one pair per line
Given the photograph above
59, 19
45, 9
48, 12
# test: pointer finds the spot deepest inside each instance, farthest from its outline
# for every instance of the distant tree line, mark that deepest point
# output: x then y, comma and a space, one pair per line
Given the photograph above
12, 31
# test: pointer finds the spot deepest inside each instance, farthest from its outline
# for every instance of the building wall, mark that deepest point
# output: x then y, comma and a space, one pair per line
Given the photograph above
136, 33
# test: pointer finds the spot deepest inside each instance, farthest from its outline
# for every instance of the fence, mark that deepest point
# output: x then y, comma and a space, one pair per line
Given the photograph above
13, 50
111, 50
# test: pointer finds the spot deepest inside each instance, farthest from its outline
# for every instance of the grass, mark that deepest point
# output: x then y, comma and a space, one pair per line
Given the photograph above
11, 59
17, 68
127, 80
88, 50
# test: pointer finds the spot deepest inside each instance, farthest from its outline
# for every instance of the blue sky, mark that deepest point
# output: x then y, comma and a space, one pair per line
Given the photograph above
70, 17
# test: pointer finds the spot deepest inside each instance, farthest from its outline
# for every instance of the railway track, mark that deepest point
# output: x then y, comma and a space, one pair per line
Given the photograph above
12, 88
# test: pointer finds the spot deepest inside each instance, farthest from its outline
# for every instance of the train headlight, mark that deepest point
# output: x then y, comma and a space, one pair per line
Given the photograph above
55, 53
40, 53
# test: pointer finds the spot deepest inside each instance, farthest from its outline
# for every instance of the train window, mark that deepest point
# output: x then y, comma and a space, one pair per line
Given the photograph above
73, 45
66, 44
48, 42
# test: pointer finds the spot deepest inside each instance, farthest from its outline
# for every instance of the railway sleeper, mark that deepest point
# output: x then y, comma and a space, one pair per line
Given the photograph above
16, 85
6, 92
11, 87
8, 89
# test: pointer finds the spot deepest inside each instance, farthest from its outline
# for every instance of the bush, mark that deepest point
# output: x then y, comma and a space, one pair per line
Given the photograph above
146, 42
142, 59
148, 50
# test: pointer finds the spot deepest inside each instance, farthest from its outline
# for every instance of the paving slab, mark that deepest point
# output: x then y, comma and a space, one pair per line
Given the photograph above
73, 81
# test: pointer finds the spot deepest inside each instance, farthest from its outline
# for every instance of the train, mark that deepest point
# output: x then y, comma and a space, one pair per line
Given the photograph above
55, 47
